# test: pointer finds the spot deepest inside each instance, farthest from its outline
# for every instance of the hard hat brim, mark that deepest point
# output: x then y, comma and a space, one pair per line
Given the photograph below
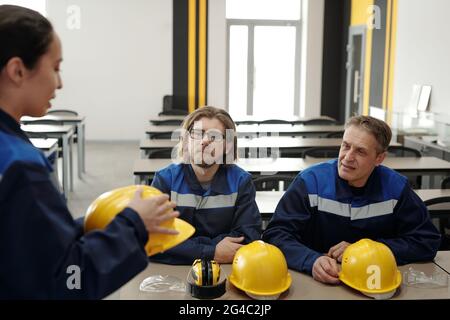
161, 242
278, 291
398, 282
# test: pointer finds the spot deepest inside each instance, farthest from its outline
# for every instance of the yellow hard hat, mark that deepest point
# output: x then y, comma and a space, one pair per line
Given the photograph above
370, 267
260, 270
103, 210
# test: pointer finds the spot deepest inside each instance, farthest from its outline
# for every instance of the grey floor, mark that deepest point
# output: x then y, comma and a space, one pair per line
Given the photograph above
109, 165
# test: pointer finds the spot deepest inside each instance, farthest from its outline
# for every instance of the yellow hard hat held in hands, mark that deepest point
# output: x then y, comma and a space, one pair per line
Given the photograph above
104, 209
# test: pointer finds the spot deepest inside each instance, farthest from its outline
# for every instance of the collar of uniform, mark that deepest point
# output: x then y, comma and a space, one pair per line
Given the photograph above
372, 188
218, 184
10, 124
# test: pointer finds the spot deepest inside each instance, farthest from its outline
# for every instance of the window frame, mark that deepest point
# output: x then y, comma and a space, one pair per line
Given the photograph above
251, 24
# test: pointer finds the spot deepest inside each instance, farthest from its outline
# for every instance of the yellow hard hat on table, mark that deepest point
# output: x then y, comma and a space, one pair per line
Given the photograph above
370, 267
104, 209
260, 269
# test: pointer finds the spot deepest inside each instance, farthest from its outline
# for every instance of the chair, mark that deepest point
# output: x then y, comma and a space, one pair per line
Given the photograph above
163, 153
162, 135
337, 134
290, 152
46, 121
445, 184
272, 183
275, 121
238, 122
169, 110
319, 121
402, 151
444, 222
322, 152
62, 112
168, 122
415, 181
440, 206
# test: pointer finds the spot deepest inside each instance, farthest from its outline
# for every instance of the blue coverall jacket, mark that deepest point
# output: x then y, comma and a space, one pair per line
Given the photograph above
319, 210
41, 246
227, 208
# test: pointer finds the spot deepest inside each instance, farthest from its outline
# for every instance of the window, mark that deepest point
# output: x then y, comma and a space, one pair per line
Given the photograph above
264, 38
37, 5
263, 9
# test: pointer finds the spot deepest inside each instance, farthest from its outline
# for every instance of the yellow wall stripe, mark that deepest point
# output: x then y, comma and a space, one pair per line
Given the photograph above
367, 70
202, 54
359, 16
359, 13
390, 99
191, 54
387, 54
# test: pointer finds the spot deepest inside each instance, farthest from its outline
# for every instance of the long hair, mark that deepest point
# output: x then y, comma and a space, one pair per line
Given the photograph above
210, 113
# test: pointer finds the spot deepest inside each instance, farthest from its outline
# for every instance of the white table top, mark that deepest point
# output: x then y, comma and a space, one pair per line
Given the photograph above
287, 128
267, 201
237, 119
442, 259
260, 142
46, 128
44, 144
261, 128
293, 165
50, 117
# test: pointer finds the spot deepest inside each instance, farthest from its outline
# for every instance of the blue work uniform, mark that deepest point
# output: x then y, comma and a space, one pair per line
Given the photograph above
44, 253
226, 209
319, 210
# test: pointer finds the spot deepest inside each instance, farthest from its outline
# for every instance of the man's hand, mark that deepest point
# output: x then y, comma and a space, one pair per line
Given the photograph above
226, 249
325, 270
154, 211
337, 251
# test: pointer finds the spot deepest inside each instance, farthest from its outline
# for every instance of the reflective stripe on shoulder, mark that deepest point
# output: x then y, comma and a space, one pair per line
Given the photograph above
355, 213
374, 209
199, 202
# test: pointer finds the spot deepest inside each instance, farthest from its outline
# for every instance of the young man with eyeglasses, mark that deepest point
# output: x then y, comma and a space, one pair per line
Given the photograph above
212, 193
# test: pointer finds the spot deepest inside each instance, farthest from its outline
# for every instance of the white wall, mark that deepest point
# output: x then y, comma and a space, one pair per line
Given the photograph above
217, 54
312, 54
423, 52
118, 66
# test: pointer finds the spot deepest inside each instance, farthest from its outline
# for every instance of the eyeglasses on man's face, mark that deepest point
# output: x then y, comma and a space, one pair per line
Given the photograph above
211, 135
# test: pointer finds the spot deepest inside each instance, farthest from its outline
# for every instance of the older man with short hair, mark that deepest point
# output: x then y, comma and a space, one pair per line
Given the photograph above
335, 203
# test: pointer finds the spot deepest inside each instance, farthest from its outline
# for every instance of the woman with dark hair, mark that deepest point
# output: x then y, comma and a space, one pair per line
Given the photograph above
40, 243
